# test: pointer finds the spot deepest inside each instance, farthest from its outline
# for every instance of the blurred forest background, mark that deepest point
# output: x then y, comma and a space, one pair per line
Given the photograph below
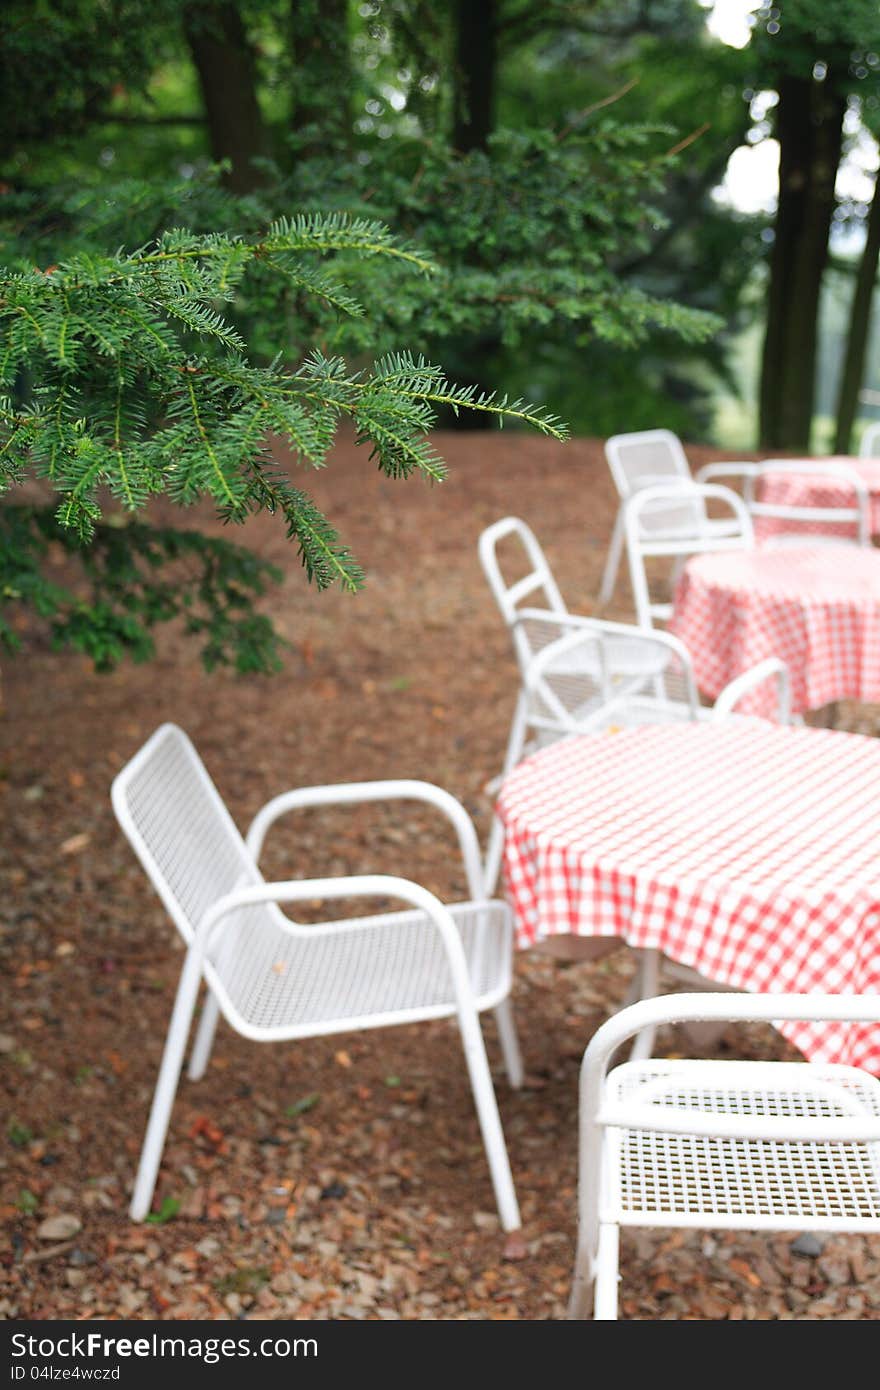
492, 132
227, 220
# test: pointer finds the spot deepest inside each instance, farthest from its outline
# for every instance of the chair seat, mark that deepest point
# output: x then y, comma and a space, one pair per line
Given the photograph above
658, 1179
278, 979
631, 713
715, 528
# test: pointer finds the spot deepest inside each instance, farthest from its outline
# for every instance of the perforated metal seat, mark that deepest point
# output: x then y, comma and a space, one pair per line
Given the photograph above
710, 1180
720, 1144
274, 978
271, 974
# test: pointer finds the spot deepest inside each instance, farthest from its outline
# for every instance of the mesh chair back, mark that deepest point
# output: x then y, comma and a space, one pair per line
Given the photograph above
179, 827
648, 458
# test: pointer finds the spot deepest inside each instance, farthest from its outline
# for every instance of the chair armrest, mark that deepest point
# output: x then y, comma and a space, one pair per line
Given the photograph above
653, 496
354, 886
743, 685
350, 793
709, 471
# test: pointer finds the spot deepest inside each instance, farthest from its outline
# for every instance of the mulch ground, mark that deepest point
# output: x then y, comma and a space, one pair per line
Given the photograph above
343, 1177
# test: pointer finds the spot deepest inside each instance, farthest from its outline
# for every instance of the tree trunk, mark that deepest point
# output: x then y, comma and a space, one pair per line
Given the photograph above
473, 120
810, 132
226, 70
853, 370
476, 37
322, 76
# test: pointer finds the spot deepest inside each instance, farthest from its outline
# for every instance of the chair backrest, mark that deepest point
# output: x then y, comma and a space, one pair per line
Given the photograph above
644, 458
642, 539
652, 458
814, 517
179, 827
869, 445
525, 584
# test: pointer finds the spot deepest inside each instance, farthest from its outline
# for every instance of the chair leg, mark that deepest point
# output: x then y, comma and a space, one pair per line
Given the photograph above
607, 1265
495, 847
648, 985
166, 1086
201, 1051
612, 563
494, 851
490, 1120
582, 1283
509, 1043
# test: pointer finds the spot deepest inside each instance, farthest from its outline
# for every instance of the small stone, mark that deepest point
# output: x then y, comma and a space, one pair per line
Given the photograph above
7, 1043
61, 1227
809, 1245
333, 1189
486, 1220
835, 1268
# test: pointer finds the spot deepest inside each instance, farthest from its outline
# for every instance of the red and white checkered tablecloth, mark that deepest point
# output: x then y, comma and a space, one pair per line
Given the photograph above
818, 609
812, 490
748, 851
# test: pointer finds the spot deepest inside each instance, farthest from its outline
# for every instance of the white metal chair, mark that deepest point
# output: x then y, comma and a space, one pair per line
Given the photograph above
544, 618
651, 458
647, 534
856, 516
869, 444
274, 979
720, 1144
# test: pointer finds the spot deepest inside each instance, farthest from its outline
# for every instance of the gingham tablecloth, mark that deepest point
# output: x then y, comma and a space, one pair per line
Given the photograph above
818, 609
812, 490
749, 851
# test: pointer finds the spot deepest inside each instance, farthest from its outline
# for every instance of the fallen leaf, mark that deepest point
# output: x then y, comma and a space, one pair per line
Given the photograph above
75, 843
746, 1272
205, 1128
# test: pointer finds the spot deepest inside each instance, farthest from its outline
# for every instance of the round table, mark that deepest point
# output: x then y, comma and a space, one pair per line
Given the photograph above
812, 490
817, 608
746, 850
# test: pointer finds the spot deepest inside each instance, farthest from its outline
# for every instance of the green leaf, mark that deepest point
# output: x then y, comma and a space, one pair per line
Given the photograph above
167, 1211
300, 1107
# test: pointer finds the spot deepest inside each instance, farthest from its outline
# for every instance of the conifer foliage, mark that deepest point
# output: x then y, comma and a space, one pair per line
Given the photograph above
124, 377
